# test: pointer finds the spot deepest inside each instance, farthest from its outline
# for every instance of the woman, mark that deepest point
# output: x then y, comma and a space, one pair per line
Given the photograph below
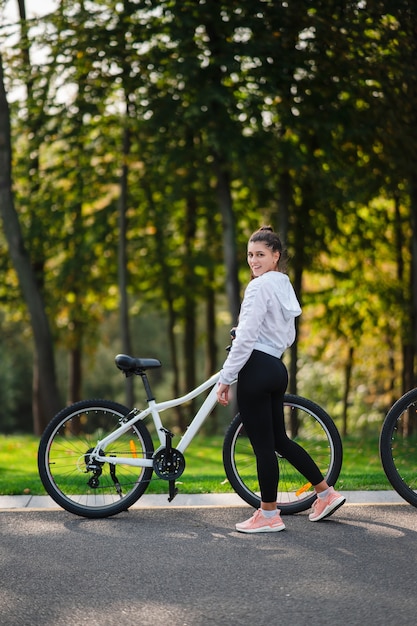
266, 328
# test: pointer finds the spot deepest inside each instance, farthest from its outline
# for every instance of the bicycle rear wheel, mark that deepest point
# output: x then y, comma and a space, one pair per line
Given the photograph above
63, 456
312, 428
398, 446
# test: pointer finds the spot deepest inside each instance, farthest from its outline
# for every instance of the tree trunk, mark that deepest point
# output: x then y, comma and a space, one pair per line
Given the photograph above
158, 220
412, 378
190, 300
297, 281
346, 391
211, 353
122, 260
229, 239
34, 124
47, 393
284, 199
212, 250
297, 268
74, 375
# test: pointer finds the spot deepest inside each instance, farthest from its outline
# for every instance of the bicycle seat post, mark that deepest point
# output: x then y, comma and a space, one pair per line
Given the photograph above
147, 386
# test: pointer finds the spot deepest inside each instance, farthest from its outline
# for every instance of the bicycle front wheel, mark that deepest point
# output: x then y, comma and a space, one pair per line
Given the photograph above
311, 427
65, 468
398, 446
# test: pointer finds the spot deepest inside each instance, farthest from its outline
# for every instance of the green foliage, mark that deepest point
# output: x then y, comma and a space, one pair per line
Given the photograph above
309, 113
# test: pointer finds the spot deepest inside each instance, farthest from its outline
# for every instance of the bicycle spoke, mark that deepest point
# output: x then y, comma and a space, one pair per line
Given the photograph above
313, 429
83, 486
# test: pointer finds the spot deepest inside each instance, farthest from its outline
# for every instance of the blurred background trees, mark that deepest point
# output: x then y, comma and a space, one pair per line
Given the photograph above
149, 139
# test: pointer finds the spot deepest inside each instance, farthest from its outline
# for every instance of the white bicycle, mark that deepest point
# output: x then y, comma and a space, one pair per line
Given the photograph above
96, 457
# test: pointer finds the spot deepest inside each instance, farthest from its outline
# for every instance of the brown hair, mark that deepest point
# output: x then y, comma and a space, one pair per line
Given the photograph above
267, 236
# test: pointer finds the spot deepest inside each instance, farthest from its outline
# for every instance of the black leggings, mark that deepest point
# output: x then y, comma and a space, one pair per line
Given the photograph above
260, 391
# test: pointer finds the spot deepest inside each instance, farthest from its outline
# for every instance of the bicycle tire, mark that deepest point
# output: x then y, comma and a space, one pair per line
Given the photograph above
398, 446
63, 454
310, 426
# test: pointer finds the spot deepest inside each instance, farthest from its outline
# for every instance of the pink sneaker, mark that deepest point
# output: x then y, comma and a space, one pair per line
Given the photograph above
323, 507
258, 523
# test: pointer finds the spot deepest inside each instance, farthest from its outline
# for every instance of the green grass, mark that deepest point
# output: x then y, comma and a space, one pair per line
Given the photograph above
362, 469
204, 472
18, 466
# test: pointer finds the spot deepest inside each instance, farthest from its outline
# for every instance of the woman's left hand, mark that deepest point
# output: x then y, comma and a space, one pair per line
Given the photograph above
223, 394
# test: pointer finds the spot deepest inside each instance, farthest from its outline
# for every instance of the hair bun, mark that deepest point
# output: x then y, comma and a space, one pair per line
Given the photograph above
269, 228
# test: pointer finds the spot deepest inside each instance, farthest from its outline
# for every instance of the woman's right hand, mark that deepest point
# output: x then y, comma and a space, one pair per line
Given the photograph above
223, 394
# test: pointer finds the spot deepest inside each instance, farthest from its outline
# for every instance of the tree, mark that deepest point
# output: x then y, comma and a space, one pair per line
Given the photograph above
46, 401
194, 123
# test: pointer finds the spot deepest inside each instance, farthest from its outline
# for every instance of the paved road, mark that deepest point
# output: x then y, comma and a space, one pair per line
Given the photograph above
188, 567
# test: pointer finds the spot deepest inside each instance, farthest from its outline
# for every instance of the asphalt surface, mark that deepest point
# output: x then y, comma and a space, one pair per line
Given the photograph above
185, 565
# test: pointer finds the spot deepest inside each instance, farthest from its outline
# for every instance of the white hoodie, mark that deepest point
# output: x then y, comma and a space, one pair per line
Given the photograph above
266, 322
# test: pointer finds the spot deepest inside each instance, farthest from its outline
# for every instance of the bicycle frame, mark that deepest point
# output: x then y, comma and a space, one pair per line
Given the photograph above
154, 409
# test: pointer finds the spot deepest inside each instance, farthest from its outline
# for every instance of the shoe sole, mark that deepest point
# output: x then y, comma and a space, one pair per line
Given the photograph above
262, 529
337, 505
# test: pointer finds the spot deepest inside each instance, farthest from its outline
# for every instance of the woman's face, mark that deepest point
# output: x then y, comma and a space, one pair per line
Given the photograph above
261, 259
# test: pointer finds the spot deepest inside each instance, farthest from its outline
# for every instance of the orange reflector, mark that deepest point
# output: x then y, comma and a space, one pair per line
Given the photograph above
133, 449
302, 489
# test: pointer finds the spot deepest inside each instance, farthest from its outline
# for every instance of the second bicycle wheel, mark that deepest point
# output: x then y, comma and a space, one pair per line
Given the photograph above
76, 484
398, 446
310, 426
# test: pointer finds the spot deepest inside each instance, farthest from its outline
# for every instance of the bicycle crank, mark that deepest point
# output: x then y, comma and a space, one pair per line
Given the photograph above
168, 464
